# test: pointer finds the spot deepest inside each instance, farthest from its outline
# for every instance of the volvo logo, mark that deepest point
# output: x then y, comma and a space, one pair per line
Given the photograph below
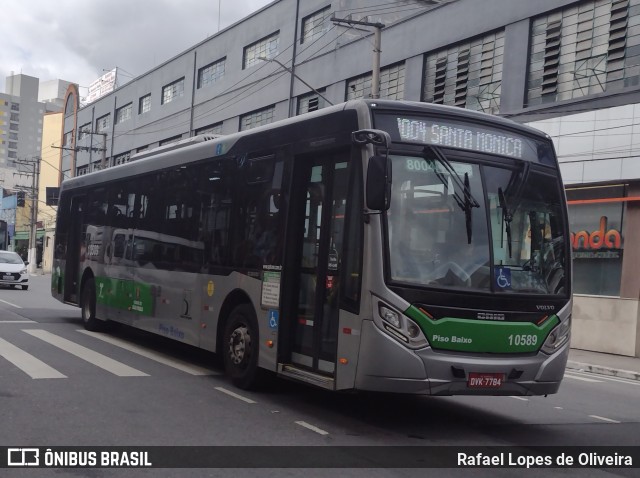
546, 307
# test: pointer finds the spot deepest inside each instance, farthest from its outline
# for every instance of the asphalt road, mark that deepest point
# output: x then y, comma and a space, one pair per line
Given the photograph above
61, 386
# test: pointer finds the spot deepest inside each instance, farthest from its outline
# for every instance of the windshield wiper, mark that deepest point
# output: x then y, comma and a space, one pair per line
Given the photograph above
506, 217
467, 202
507, 214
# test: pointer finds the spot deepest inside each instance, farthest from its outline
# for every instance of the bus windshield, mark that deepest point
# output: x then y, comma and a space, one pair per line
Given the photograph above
455, 224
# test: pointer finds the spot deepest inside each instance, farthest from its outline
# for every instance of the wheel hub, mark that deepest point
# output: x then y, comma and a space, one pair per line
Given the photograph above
239, 345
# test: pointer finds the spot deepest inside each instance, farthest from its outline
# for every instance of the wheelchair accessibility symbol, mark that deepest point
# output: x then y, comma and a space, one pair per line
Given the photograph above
503, 277
273, 319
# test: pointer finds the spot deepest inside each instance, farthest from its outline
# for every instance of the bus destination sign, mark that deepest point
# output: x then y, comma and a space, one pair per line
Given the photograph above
465, 135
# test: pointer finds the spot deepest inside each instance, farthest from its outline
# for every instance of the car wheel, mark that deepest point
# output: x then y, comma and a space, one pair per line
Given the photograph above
240, 348
88, 307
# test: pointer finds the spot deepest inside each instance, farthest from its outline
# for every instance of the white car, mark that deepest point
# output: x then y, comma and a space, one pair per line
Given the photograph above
13, 271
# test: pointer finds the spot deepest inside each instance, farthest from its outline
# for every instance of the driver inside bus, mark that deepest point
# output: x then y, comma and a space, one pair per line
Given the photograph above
403, 264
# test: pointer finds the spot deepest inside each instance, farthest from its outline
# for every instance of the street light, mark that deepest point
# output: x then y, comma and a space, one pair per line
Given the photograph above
292, 72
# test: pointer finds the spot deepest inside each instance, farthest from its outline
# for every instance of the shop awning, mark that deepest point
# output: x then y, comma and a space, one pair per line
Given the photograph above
24, 235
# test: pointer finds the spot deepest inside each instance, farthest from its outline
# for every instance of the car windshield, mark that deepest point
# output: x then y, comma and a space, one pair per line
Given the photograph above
10, 258
454, 224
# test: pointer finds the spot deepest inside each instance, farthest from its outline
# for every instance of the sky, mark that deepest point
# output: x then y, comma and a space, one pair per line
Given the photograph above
79, 40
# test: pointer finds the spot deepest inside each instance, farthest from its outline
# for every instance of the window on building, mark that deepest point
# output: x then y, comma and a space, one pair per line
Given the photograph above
123, 113
67, 139
265, 48
257, 118
208, 75
173, 139
391, 84
315, 25
15, 106
588, 48
310, 102
172, 91
84, 131
12, 155
13, 136
103, 123
597, 258
15, 117
144, 104
14, 127
468, 75
97, 165
82, 170
211, 129
13, 145
121, 158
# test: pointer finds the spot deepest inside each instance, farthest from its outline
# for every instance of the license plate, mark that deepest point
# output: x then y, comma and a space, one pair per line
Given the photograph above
485, 380
7, 277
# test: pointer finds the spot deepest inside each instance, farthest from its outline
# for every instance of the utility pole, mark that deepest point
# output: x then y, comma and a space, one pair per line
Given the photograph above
377, 48
34, 166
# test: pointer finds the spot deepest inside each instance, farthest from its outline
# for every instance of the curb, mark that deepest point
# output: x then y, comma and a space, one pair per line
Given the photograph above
586, 367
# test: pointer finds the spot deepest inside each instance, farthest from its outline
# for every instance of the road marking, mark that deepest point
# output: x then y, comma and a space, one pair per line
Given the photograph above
12, 305
611, 379
25, 321
26, 362
604, 419
320, 431
84, 353
234, 395
584, 379
519, 398
151, 354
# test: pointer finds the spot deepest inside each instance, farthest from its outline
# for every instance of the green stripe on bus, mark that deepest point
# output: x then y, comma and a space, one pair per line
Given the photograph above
125, 294
467, 335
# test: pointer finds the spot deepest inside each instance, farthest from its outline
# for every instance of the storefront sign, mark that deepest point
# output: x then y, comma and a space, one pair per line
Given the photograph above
603, 243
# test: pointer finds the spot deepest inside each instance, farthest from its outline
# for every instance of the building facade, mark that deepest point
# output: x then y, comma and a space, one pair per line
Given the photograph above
570, 68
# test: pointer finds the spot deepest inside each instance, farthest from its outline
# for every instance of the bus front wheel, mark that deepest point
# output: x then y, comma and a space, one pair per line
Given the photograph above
88, 307
240, 347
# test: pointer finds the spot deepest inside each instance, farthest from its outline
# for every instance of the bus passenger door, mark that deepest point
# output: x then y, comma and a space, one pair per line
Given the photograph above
75, 252
319, 226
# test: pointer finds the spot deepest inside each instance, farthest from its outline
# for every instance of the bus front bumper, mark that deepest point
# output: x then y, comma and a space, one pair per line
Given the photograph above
385, 365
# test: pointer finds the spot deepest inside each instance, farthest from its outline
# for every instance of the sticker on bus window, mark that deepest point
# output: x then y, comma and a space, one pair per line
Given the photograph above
503, 277
270, 289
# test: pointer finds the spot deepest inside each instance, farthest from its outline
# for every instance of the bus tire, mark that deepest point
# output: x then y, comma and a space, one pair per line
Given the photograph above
88, 307
240, 347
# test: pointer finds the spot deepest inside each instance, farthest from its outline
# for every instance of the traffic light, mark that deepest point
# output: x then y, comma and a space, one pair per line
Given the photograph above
20, 199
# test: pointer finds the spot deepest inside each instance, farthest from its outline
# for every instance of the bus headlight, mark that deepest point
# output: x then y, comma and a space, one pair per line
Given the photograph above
401, 327
390, 316
558, 337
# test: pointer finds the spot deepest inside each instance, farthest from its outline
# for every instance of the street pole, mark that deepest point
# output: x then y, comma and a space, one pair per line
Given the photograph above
375, 77
33, 249
377, 48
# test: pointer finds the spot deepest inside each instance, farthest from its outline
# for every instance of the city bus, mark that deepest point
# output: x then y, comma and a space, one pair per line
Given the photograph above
374, 245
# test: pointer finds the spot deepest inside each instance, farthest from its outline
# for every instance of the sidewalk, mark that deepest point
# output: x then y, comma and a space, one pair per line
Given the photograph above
606, 364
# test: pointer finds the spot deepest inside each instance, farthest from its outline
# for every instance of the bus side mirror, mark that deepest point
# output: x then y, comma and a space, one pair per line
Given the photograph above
379, 183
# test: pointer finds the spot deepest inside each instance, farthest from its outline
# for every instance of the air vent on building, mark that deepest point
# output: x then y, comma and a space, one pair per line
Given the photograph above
439, 84
314, 103
486, 62
617, 36
551, 58
462, 77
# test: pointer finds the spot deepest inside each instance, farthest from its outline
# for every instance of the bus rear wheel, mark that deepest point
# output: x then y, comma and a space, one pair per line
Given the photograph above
88, 307
240, 347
